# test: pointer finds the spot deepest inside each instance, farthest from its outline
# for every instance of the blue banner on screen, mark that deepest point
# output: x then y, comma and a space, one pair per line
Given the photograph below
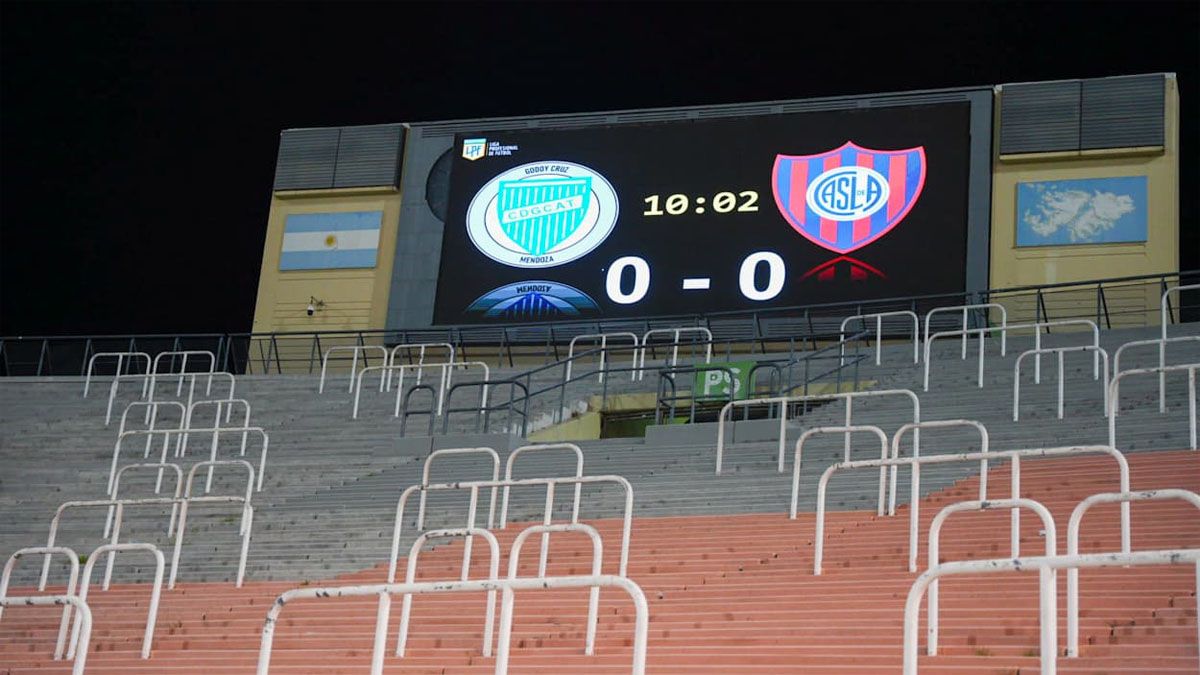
326, 241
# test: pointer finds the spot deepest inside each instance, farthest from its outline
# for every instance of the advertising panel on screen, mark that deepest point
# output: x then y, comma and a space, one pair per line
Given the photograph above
705, 216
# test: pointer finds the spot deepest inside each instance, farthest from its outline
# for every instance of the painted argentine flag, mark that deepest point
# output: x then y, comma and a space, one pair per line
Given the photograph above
322, 241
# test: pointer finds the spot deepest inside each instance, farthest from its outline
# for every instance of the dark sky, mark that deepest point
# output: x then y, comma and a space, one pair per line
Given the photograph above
137, 142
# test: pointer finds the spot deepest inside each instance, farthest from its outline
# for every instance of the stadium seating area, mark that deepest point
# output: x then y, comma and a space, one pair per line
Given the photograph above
727, 576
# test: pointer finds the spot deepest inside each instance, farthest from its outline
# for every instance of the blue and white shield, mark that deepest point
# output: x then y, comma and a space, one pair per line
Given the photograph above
541, 213
848, 197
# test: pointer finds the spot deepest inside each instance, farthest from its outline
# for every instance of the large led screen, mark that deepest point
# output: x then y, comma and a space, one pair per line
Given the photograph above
705, 216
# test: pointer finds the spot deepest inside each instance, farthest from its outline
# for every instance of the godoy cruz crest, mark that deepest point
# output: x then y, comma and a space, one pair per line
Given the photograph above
848, 197
542, 214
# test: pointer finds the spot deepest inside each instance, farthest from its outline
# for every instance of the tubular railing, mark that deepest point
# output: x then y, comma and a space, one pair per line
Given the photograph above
150, 385
226, 404
1073, 547
1037, 344
549, 483
674, 344
505, 586
483, 411
116, 488
152, 420
182, 356
879, 317
526, 449
443, 382
121, 356
1047, 594
1114, 396
72, 580
181, 450
785, 401
66, 602
445, 452
915, 464
155, 592
422, 349
846, 430
667, 375
604, 337
1060, 351
1164, 305
1146, 343
966, 312
357, 350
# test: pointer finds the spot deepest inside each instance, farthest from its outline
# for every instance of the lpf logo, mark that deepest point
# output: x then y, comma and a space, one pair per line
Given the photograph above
474, 148
542, 214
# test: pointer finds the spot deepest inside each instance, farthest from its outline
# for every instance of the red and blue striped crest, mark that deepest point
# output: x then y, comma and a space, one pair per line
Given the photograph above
847, 198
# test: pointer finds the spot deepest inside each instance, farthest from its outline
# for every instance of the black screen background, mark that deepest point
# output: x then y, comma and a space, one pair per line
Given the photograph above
924, 254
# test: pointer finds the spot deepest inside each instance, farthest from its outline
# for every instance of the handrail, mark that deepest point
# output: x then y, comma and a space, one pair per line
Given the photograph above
1114, 396
847, 430
156, 466
1037, 343
423, 347
1060, 351
152, 419
483, 411
87, 380
1162, 360
604, 350
491, 505
48, 550
215, 431
935, 531
67, 602
357, 349
228, 404
879, 317
1164, 305
155, 592
212, 368
674, 344
410, 576
965, 309
150, 384
784, 401
508, 469
641, 619
1073, 546
514, 558
474, 486
1046, 591
914, 500
385, 376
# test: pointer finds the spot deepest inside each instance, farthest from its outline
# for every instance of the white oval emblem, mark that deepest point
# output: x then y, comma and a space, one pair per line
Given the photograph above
848, 193
542, 214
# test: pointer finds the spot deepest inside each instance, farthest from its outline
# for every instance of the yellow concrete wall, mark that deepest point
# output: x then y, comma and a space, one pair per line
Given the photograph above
354, 298
1012, 266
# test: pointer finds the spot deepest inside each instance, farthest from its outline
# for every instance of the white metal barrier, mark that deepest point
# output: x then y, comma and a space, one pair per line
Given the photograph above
879, 317
675, 333
966, 309
505, 586
48, 550
410, 576
121, 356
549, 483
1046, 591
422, 349
113, 494
847, 430
182, 449
514, 557
1060, 351
155, 592
508, 470
357, 349
1037, 344
1073, 547
1157, 342
151, 418
185, 354
224, 404
935, 532
1164, 321
1114, 396
443, 381
603, 337
66, 602
491, 504
149, 385
915, 464
784, 401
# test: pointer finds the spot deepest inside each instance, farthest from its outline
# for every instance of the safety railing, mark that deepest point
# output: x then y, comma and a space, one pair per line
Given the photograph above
444, 380
785, 401
542, 447
66, 602
151, 419
356, 350
1047, 593
1037, 343
221, 405
675, 334
123, 360
73, 579
1161, 343
422, 348
410, 576
516, 406
846, 431
879, 317
505, 586
244, 528
915, 463
549, 483
1060, 352
1050, 536
603, 349
182, 356
1073, 546
181, 450
966, 314
116, 489
1164, 308
155, 592
150, 385
666, 406
514, 558
1114, 396
491, 516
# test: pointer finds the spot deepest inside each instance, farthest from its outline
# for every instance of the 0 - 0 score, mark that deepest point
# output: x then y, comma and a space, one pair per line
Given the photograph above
776, 275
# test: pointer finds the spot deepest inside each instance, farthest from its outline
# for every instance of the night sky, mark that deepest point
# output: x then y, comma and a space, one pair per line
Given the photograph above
138, 142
